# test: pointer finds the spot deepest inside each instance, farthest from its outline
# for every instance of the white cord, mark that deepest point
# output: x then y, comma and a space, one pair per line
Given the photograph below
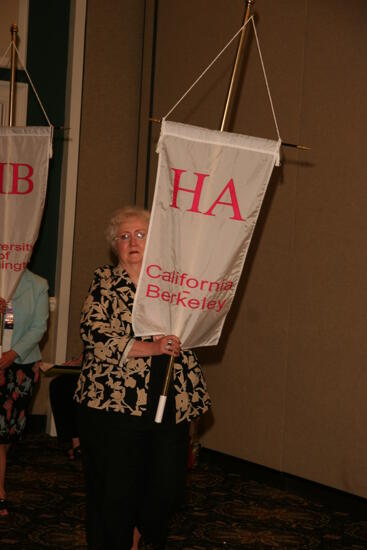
33, 88
6, 51
266, 80
218, 56
208, 67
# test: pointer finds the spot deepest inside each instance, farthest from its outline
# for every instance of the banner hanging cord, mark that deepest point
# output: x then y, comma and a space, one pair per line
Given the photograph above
3, 57
30, 81
33, 88
208, 67
217, 57
265, 78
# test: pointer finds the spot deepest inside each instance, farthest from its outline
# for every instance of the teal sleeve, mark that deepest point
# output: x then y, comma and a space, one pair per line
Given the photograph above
38, 326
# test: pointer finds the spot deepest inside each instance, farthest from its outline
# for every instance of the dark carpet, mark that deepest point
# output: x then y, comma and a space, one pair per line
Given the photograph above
229, 505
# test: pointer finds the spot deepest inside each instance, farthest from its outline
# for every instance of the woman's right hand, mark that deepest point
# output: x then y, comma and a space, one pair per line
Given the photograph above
169, 345
2, 306
7, 359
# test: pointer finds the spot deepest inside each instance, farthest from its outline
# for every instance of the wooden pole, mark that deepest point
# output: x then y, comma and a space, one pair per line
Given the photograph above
235, 69
14, 32
249, 3
164, 394
167, 381
236, 66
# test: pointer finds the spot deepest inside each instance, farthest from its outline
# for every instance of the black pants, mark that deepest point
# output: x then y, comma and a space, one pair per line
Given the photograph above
135, 477
63, 406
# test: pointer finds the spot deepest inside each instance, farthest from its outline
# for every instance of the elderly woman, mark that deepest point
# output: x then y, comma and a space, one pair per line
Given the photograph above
135, 469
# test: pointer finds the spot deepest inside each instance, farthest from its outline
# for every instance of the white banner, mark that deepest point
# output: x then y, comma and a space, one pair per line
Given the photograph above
24, 157
209, 190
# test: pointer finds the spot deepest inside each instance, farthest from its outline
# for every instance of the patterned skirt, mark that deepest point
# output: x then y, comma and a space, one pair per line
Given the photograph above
16, 387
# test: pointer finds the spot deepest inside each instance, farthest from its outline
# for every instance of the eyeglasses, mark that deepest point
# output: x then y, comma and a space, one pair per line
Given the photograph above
139, 235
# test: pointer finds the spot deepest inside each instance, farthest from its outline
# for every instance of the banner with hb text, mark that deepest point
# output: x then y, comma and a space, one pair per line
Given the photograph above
24, 159
209, 189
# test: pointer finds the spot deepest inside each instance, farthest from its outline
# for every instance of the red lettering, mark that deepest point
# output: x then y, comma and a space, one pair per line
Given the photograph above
233, 203
152, 291
149, 271
165, 296
15, 190
17, 178
196, 191
2, 164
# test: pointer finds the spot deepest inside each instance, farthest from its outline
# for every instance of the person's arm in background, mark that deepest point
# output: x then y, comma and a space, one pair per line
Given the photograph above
38, 325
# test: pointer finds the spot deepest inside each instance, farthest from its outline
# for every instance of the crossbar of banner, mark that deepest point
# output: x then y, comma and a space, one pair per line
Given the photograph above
284, 143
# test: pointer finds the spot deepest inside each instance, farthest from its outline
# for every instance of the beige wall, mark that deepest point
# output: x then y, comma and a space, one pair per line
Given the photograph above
109, 137
9, 15
288, 378
40, 401
13, 11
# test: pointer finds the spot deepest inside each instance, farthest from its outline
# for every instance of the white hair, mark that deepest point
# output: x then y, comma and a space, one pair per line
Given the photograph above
121, 215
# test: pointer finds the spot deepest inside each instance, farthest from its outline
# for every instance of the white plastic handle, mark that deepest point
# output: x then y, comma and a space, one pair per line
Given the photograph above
160, 409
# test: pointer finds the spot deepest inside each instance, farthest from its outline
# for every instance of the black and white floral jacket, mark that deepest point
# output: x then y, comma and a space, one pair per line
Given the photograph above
109, 380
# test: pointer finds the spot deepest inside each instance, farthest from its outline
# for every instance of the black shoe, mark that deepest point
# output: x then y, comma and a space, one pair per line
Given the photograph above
74, 453
4, 513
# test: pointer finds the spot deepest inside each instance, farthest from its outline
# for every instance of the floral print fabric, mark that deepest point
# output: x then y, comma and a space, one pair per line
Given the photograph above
111, 381
16, 386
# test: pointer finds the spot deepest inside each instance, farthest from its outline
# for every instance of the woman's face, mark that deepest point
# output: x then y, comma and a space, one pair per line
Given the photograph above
130, 242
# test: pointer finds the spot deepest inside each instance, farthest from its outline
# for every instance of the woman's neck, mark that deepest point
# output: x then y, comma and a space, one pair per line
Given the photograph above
133, 271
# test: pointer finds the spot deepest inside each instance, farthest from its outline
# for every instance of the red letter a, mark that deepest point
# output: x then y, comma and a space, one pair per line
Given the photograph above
233, 203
